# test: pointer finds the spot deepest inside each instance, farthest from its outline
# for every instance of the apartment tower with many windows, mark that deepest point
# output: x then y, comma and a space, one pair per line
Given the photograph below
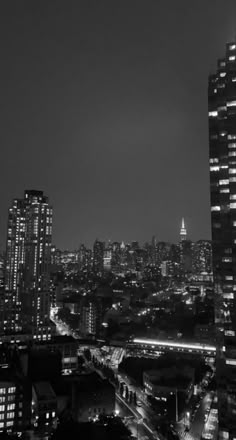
222, 142
28, 258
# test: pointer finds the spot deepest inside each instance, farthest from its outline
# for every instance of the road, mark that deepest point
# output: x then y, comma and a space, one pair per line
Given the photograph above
197, 425
134, 421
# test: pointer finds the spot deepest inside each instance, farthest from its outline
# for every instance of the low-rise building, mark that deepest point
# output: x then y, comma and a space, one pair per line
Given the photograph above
165, 382
44, 406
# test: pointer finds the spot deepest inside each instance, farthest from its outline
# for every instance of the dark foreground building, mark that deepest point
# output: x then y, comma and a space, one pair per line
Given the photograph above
222, 139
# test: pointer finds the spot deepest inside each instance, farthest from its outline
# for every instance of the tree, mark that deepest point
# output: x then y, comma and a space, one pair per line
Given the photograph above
121, 389
87, 354
131, 395
126, 393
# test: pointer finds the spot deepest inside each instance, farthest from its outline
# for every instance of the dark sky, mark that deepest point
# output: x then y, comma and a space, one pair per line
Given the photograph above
104, 107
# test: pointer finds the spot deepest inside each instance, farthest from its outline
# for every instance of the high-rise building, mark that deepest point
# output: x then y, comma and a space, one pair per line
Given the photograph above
28, 259
183, 231
222, 142
89, 315
202, 260
98, 254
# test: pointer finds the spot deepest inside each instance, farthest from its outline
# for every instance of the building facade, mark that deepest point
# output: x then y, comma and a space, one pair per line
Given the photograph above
28, 260
222, 149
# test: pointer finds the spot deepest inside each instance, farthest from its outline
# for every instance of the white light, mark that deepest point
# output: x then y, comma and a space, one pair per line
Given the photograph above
231, 361
231, 104
213, 114
232, 58
174, 344
215, 208
232, 47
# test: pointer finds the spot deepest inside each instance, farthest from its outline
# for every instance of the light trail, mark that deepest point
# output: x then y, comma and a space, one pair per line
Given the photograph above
203, 347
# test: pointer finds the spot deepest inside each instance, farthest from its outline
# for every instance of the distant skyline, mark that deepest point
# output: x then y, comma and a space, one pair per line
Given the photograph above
104, 108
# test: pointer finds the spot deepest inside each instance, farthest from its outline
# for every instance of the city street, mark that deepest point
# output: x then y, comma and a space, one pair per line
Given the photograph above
199, 421
134, 421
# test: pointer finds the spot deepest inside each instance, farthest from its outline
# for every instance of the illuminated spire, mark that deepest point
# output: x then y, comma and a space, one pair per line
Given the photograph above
183, 231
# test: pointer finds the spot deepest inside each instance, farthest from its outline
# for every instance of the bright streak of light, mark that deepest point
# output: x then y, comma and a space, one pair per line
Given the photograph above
174, 344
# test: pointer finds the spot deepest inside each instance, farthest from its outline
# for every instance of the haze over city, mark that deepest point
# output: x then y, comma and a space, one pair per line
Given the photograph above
104, 107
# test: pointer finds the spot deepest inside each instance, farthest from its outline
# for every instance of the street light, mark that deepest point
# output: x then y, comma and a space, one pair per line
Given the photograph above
176, 405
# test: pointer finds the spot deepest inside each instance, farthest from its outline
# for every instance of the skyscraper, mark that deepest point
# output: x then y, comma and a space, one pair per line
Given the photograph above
98, 254
222, 142
28, 258
183, 231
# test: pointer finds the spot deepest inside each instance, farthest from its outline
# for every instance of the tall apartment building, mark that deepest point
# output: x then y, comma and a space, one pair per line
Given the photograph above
222, 142
98, 255
28, 258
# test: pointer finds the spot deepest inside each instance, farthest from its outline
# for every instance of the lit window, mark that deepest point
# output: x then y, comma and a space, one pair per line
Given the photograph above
231, 136
229, 333
2, 407
47, 416
2, 390
232, 205
214, 160
9, 423
230, 362
224, 182
234, 79
231, 104
213, 114
232, 58
215, 208
232, 196
2, 416
224, 190
11, 390
232, 153
232, 179
215, 168
10, 407
1, 425
229, 277
222, 108
232, 171
10, 415
232, 46
227, 259
222, 74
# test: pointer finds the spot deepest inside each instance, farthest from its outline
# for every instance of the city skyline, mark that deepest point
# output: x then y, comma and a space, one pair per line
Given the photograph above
87, 120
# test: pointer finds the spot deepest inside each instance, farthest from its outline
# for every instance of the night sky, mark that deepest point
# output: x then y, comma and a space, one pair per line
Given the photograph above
104, 107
